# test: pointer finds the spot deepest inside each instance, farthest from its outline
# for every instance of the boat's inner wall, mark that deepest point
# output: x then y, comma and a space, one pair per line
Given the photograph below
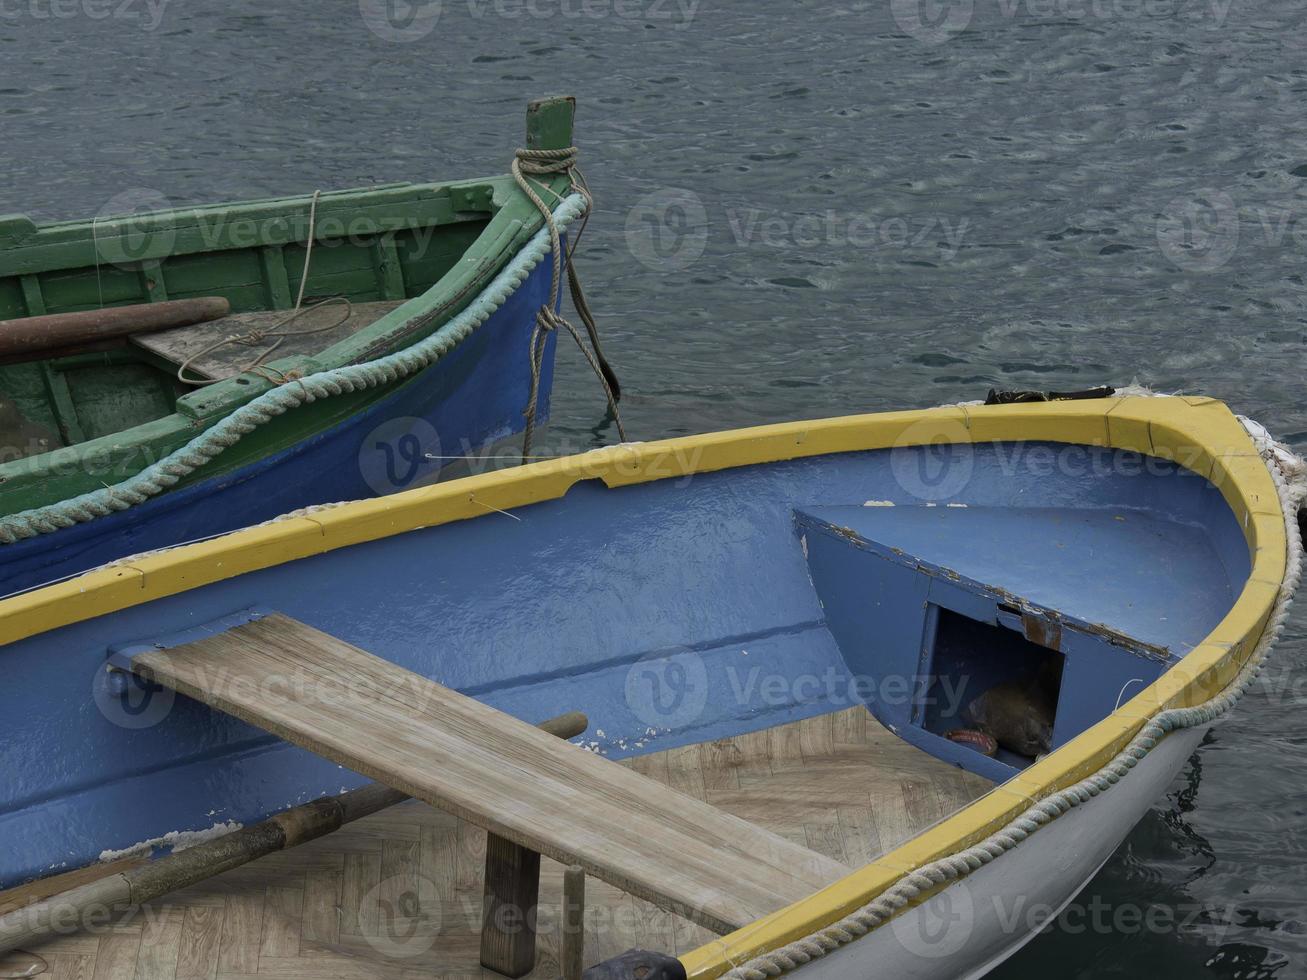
671, 612
110, 388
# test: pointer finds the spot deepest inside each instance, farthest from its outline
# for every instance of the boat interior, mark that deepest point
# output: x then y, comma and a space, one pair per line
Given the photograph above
400, 893
373, 250
797, 645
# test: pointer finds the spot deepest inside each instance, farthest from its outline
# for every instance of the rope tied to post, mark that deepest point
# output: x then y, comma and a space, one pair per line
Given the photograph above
527, 163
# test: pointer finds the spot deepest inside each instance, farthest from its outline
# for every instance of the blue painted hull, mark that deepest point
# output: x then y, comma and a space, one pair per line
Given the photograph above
472, 397
671, 612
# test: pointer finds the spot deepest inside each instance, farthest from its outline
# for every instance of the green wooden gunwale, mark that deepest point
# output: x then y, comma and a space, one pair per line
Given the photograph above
53, 268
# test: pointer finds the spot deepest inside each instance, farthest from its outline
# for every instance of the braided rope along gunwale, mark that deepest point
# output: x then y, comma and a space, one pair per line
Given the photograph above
936, 875
228, 431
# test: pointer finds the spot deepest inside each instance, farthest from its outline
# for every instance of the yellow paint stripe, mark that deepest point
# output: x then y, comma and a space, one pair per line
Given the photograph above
1199, 433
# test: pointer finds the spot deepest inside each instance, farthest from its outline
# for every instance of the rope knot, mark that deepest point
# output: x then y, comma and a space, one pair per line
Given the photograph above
540, 163
546, 161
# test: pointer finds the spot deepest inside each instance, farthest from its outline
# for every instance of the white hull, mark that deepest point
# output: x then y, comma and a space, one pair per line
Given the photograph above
974, 925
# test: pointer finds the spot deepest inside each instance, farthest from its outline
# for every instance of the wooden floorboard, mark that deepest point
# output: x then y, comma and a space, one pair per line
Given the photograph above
398, 896
466, 758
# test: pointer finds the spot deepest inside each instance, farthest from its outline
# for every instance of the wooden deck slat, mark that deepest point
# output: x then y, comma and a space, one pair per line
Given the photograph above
494, 771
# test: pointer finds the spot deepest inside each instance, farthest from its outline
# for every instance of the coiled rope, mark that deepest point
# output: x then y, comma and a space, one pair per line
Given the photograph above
228, 431
540, 163
1290, 476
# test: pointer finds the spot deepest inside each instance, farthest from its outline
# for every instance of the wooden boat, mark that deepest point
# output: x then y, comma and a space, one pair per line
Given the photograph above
416, 309
773, 632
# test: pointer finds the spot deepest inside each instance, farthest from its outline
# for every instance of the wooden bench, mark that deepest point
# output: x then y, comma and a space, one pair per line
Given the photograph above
533, 793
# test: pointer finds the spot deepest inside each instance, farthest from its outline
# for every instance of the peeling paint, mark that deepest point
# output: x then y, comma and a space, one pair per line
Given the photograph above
176, 840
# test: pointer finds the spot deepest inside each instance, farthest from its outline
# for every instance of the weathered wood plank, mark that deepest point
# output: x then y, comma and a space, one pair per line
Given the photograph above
508, 910
313, 331
501, 774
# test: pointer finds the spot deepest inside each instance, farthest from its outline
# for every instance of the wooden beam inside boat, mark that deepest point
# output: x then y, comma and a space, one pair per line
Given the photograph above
497, 772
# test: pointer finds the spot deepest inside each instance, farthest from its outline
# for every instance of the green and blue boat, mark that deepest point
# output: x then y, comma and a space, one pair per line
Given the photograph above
369, 335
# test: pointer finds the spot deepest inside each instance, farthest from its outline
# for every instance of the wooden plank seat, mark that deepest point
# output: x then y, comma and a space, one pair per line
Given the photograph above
532, 790
313, 331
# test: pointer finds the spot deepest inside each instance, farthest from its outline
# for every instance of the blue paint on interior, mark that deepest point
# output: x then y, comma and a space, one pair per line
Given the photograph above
1154, 579
471, 397
671, 612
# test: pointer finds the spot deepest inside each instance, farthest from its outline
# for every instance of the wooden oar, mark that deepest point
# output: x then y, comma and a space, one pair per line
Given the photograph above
37, 334
144, 882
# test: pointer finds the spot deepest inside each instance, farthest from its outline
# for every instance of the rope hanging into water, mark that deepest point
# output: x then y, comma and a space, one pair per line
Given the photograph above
1290, 476
548, 320
228, 431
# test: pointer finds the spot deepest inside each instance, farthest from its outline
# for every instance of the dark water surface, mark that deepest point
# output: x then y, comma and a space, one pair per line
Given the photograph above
810, 209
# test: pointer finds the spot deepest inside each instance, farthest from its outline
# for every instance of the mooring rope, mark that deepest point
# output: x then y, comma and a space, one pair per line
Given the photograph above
1290, 476
228, 431
548, 320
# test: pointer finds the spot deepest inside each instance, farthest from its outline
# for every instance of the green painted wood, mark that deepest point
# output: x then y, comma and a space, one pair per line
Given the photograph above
446, 242
549, 123
61, 405
153, 283
275, 280
32, 296
386, 265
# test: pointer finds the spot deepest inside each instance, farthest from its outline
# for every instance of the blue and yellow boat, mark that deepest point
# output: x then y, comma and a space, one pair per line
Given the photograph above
1014, 622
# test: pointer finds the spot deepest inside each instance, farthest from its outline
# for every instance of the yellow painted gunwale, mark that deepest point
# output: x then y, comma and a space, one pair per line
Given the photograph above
1199, 433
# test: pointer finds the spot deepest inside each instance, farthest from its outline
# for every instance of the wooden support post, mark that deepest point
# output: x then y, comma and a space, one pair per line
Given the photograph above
573, 922
549, 123
508, 915
508, 910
